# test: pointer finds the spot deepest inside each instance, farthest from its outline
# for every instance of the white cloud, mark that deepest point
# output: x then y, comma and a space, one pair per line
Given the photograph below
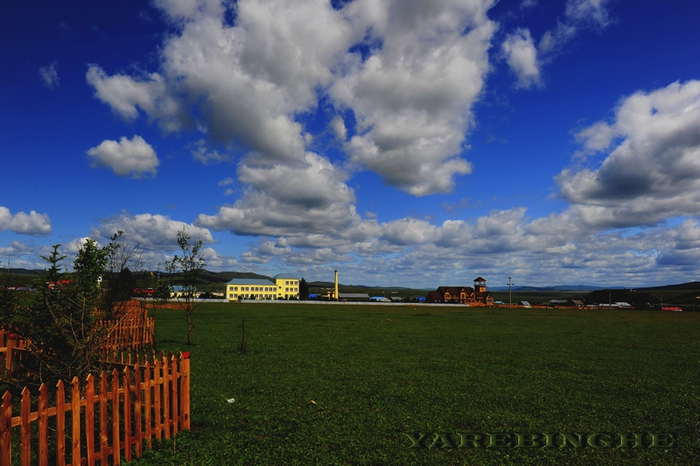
15, 249
153, 232
338, 126
283, 200
32, 224
521, 55
201, 154
133, 157
408, 231
125, 95
526, 60
412, 96
651, 169
49, 75
589, 11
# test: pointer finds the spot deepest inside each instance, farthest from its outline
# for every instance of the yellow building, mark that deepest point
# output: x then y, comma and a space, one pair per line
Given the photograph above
287, 286
283, 287
250, 288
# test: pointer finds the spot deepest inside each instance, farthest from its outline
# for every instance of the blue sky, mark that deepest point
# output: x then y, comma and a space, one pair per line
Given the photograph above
400, 142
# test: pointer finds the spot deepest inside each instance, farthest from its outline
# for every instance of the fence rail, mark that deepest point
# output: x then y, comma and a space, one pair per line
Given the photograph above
110, 418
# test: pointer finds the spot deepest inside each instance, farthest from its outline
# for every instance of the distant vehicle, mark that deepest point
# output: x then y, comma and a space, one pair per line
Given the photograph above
54, 285
22, 289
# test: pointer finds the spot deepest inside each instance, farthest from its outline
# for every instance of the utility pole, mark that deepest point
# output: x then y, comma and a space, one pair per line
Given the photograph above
510, 294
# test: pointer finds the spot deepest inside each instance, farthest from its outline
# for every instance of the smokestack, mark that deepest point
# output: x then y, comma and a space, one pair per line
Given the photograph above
335, 289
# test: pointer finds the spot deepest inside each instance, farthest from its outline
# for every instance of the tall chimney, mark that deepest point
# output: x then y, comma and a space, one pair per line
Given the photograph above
335, 289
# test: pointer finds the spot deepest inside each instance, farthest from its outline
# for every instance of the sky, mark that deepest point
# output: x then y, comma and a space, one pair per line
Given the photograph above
400, 142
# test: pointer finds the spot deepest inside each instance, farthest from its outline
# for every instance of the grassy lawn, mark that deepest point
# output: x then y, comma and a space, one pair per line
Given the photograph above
345, 384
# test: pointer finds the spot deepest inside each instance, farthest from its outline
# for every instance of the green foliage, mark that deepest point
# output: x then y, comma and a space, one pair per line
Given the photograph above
303, 289
58, 319
88, 269
7, 298
161, 288
54, 259
376, 373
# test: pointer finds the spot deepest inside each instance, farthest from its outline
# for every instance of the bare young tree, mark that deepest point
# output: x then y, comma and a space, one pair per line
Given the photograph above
185, 269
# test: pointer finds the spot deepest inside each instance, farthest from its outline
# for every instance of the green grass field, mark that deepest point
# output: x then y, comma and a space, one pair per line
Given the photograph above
345, 384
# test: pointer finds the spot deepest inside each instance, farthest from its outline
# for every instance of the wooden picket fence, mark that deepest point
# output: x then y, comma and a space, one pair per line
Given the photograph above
13, 349
127, 334
111, 416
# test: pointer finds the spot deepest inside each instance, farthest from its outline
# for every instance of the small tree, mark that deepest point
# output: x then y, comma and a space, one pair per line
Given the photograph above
303, 289
118, 284
58, 319
161, 289
7, 299
89, 267
187, 269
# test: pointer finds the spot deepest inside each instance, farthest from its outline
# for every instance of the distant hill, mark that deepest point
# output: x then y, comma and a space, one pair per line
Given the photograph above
680, 287
547, 288
227, 276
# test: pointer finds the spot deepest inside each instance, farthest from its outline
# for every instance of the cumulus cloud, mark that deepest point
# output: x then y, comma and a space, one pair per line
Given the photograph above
32, 224
412, 96
15, 249
521, 55
283, 200
133, 157
151, 93
151, 231
49, 75
201, 154
651, 166
526, 60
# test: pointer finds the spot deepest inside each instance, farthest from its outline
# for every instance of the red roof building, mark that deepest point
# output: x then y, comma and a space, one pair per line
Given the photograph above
477, 296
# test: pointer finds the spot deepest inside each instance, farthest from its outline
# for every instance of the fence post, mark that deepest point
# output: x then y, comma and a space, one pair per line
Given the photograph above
75, 422
116, 459
147, 402
43, 408
166, 395
127, 414
185, 390
6, 430
137, 409
174, 365
103, 418
157, 370
25, 445
8, 353
60, 424
90, 419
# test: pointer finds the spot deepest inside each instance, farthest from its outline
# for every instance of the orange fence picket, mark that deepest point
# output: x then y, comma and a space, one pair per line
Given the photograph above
106, 423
